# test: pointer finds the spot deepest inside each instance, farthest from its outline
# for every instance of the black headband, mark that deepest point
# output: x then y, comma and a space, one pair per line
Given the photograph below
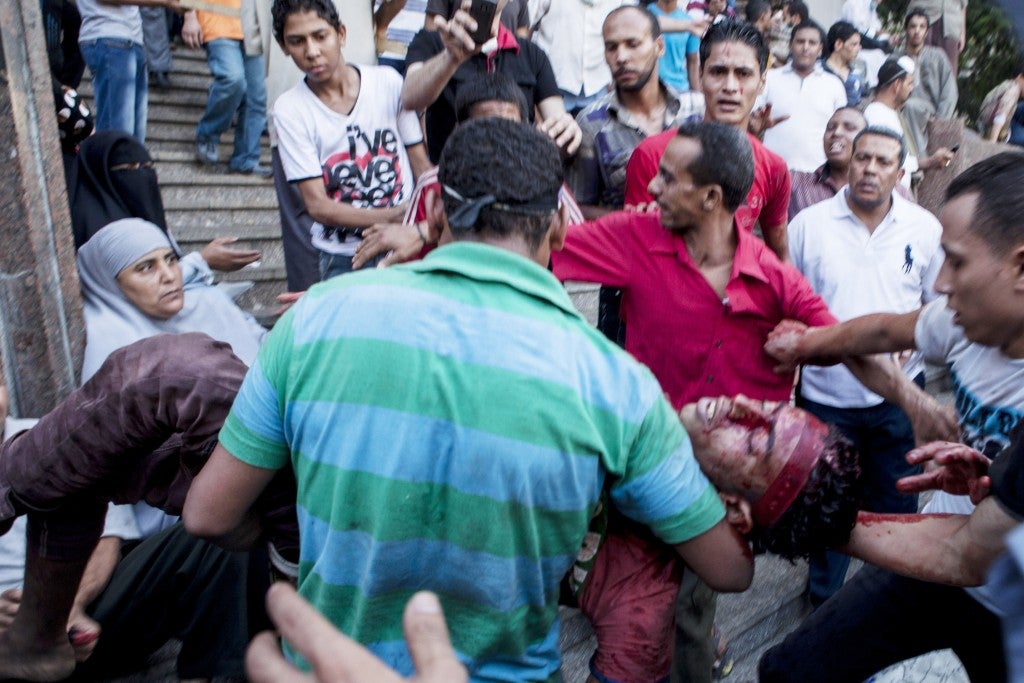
466, 216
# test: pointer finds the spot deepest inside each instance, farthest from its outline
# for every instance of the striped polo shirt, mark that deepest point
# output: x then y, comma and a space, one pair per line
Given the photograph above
451, 423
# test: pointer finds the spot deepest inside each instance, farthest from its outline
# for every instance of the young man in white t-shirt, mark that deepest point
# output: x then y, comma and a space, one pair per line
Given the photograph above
343, 136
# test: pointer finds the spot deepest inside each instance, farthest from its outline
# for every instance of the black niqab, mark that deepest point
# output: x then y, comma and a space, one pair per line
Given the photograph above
100, 196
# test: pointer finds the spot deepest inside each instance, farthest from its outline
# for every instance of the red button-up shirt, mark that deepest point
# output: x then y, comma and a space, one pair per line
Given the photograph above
695, 342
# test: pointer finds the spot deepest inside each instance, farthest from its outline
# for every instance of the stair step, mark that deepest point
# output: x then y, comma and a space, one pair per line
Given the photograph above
222, 220
189, 172
180, 83
259, 232
184, 151
219, 198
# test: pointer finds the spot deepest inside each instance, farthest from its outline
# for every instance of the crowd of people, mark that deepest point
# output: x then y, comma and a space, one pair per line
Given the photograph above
434, 423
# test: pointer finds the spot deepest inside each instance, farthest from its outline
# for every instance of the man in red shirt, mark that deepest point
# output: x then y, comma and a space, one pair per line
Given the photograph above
700, 294
733, 63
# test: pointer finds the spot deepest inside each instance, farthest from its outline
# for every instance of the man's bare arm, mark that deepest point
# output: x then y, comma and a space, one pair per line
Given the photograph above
425, 81
324, 210
720, 557
775, 237
218, 506
792, 342
953, 549
930, 420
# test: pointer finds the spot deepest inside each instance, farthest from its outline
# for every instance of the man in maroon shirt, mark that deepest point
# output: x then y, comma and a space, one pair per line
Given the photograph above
733, 63
700, 294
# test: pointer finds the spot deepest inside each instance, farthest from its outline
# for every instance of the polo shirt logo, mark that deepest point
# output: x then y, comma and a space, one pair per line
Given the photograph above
908, 259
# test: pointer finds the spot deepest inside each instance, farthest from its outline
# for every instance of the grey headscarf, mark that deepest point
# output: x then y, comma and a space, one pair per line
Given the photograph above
112, 321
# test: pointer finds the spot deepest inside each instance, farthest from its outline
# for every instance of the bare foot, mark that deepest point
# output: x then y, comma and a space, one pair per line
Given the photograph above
33, 661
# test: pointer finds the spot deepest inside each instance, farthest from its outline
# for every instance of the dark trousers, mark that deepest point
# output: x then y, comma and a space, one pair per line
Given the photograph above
880, 618
883, 436
693, 654
175, 586
301, 258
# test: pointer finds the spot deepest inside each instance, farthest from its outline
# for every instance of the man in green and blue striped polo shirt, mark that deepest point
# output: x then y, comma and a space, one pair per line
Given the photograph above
452, 423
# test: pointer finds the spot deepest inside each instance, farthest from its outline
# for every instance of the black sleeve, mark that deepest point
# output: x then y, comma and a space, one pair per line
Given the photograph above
1007, 474
546, 86
523, 17
424, 45
442, 7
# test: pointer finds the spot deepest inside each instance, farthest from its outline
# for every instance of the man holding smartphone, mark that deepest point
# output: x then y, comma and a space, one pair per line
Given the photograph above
439, 62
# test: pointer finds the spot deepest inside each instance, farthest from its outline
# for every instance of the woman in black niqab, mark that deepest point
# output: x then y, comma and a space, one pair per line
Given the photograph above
113, 179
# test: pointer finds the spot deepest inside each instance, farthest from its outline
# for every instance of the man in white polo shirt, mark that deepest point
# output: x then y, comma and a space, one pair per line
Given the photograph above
866, 250
805, 96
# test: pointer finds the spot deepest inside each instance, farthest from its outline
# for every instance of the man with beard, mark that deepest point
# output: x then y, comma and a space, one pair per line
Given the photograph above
639, 105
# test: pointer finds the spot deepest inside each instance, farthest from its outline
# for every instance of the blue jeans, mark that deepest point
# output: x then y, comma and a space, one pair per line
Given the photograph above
339, 264
883, 436
1017, 126
119, 81
237, 86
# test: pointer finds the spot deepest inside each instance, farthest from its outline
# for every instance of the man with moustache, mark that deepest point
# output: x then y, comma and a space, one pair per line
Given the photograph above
733, 63
641, 104
866, 250
825, 181
702, 341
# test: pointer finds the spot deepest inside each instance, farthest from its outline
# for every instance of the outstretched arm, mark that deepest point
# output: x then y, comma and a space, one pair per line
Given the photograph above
952, 549
931, 420
792, 343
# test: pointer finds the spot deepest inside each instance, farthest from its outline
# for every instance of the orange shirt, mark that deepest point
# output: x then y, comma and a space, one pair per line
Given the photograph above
221, 25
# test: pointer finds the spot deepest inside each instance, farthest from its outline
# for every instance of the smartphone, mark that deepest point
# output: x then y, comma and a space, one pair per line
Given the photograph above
482, 12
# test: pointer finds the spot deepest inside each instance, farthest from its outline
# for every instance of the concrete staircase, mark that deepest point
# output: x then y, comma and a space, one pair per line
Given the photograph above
204, 202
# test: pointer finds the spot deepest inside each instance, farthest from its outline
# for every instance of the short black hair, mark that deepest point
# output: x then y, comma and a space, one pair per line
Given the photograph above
755, 10
734, 31
915, 12
642, 9
799, 9
884, 131
486, 87
841, 30
513, 162
824, 513
725, 160
1019, 69
282, 9
1000, 205
804, 25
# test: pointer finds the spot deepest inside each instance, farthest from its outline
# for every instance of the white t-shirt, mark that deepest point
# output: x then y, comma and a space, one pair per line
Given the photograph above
809, 103
569, 32
989, 396
857, 272
120, 523
100, 20
361, 156
878, 114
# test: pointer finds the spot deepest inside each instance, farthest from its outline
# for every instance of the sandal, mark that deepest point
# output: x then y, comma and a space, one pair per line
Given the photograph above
724, 661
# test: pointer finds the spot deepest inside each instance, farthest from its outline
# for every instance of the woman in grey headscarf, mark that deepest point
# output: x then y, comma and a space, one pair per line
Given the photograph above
132, 289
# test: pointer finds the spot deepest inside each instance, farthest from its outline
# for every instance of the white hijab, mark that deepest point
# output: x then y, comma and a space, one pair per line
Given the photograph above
112, 321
